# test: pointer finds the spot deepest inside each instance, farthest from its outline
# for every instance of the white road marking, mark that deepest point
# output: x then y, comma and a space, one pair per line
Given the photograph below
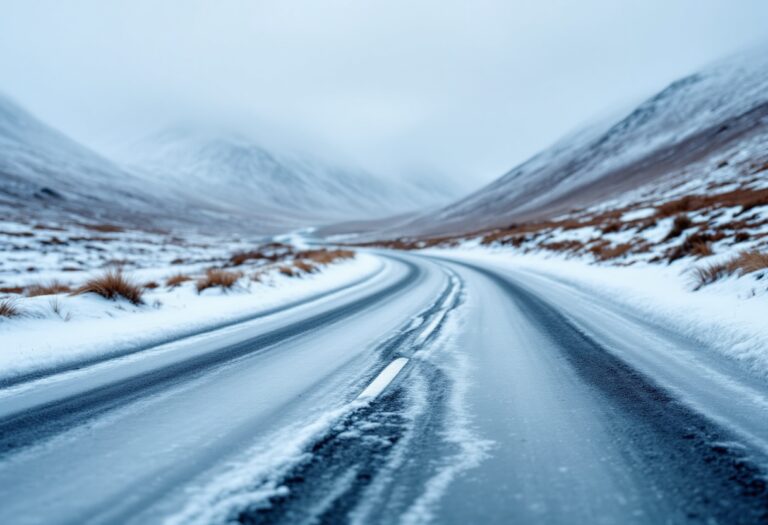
384, 378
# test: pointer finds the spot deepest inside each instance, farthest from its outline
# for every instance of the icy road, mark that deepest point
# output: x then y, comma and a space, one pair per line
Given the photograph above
437, 390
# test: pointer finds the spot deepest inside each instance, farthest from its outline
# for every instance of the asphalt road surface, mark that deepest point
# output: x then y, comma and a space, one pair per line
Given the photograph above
437, 390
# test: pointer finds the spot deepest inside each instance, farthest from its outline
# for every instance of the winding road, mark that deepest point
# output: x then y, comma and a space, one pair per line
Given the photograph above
440, 389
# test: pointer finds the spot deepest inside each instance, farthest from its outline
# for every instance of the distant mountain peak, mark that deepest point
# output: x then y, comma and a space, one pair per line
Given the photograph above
187, 176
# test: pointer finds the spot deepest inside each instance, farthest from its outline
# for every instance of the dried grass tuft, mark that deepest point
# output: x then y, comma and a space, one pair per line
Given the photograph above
9, 308
324, 256
604, 253
240, 258
696, 244
305, 266
742, 264
750, 261
104, 228
176, 280
113, 284
681, 223
217, 278
51, 288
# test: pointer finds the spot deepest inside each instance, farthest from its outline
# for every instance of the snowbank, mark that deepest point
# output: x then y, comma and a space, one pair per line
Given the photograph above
728, 316
60, 330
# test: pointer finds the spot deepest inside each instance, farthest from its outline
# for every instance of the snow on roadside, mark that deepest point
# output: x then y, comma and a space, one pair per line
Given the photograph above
728, 316
60, 330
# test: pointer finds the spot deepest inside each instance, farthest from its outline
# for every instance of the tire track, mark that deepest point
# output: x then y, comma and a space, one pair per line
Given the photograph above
698, 470
27, 428
364, 468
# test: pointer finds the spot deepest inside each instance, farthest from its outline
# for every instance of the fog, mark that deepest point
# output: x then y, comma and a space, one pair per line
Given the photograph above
458, 90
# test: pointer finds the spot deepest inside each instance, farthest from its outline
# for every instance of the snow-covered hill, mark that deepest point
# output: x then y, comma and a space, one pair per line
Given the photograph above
180, 178
713, 113
234, 169
45, 174
678, 190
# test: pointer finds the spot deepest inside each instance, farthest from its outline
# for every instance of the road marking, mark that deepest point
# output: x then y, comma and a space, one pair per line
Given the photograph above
384, 378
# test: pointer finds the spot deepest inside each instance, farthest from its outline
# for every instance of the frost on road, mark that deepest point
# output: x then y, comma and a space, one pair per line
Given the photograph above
438, 390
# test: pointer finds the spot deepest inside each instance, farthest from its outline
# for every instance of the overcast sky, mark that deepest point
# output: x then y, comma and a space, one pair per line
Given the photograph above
462, 90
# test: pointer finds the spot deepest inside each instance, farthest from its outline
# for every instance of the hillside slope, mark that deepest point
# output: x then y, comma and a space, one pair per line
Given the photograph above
234, 170
177, 179
707, 115
45, 174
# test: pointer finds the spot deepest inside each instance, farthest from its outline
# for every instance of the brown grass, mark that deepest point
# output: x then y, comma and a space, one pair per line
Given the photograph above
48, 227
324, 256
414, 244
217, 278
51, 288
570, 245
744, 263
287, 271
677, 206
112, 285
515, 240
8, 308
17, 234
704, 275
702, 249
746, 198
93, 238
753, 202
305, 266
11, 289
151, 285
240, 258
697, 244
751, 261
176, 280
681, 223
272, 252
604, 253
761, 167
104, 228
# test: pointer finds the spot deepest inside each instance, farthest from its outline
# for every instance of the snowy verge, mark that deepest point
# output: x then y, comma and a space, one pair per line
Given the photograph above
729, 316
58, 331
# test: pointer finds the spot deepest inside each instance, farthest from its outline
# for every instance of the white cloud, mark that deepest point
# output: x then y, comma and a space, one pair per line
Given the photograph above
465, 89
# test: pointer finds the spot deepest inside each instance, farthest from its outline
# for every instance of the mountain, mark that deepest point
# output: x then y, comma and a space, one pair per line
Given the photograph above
182, 179
694, 119
234, 170
45, 174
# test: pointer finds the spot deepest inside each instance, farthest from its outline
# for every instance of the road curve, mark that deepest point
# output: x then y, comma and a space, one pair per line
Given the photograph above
118, 440
606, 418
488, 396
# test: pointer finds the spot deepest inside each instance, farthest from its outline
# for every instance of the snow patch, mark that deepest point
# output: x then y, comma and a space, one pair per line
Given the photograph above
89, 326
